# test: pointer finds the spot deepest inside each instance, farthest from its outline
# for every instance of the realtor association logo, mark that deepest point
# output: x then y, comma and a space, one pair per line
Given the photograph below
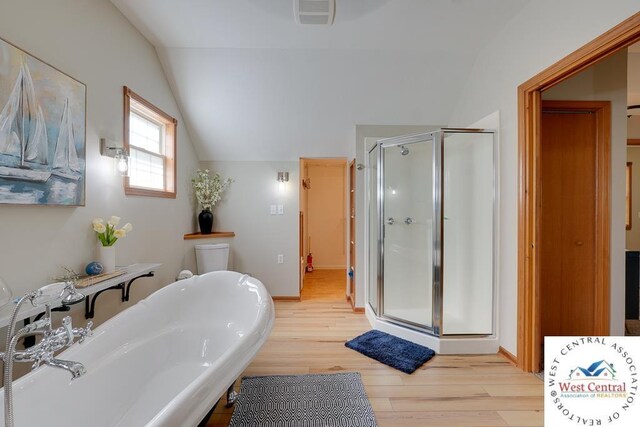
598, 377
600, 369
591, 381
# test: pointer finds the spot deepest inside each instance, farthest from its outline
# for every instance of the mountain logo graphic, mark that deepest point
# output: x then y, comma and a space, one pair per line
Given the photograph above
601, 370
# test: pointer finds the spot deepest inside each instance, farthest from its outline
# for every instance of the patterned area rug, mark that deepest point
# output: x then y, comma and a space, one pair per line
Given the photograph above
403, 355
324, 400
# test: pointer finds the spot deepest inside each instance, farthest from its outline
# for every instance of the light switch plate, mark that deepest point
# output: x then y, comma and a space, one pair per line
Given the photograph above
280, 209
273, 210
280, 259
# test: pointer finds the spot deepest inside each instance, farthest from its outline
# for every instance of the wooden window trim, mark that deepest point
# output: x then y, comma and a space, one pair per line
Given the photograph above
169, 152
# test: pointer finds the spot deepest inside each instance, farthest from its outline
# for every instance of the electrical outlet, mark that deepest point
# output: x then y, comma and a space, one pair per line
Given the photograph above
280, 209
273, 210
280, 259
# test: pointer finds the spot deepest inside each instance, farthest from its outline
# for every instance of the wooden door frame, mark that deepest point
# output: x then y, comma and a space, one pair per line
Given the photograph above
352, 242
529, 118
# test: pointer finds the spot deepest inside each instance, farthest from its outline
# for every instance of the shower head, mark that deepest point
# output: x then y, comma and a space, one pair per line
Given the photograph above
404, 150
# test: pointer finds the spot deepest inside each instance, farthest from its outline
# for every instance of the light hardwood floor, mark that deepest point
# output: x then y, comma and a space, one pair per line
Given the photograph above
309, 337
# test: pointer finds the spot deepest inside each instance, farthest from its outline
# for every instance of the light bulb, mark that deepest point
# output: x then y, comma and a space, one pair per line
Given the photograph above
122, 164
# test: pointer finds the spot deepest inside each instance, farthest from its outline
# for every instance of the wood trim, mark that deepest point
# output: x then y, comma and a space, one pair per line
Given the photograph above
285, 298
633, 141
358, 309
529, 107
508, 355
629, 195
351, 238
301, 264
128, 92
214, 235
171, 149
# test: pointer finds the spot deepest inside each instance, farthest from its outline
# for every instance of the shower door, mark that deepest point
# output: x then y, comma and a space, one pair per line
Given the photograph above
407, 211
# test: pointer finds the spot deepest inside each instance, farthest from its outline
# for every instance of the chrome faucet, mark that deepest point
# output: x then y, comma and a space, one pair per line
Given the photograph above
77, 369
52, 339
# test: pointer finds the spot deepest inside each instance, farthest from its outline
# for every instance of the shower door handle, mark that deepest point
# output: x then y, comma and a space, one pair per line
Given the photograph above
390, 221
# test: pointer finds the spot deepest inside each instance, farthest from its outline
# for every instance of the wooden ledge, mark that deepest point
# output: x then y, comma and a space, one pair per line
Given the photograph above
214, 235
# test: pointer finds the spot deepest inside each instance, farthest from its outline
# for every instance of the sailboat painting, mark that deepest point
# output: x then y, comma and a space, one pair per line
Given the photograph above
42, 132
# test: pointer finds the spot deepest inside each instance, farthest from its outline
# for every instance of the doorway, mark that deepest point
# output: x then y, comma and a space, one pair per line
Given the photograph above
323, 237
529, 219
573, 240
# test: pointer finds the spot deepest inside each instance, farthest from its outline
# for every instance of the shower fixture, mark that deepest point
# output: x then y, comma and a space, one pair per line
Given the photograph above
430, 244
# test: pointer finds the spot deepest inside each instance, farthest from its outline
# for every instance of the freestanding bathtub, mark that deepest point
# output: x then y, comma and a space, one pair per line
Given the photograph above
163, 362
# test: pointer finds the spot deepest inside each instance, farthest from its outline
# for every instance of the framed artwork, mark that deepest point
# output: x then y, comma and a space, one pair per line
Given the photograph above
42, 132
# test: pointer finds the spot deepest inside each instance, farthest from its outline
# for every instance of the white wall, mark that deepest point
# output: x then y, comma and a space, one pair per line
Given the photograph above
260, 236
530, 42
305, 102
93, 42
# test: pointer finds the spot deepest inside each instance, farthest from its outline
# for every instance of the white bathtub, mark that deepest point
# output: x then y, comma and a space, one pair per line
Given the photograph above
163, 362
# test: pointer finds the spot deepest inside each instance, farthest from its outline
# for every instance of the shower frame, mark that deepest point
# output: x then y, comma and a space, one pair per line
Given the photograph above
438, 139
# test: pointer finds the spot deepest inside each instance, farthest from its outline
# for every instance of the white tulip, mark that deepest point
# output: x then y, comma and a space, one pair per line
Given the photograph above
99, 227
128, 227
119, 233
114, 220
97, 221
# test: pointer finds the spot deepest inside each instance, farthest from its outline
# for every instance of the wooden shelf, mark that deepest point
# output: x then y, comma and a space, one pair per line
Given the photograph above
214, 235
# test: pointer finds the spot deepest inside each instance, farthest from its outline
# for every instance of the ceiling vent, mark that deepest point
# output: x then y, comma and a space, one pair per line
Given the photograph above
314, 12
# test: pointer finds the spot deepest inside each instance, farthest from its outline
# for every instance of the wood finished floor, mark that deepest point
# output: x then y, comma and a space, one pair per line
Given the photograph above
308, 337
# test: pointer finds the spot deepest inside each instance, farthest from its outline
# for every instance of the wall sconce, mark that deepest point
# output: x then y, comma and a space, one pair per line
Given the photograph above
633, 110
119, 154
283, 178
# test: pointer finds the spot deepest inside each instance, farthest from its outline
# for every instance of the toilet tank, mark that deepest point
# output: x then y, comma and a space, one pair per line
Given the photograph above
212, 257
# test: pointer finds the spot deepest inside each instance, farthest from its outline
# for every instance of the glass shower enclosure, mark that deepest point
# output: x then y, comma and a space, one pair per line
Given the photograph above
431, 221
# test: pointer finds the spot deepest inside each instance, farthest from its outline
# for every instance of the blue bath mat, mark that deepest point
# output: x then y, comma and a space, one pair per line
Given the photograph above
401, 354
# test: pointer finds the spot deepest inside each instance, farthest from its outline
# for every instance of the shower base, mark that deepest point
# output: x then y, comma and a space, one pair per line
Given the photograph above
455, 344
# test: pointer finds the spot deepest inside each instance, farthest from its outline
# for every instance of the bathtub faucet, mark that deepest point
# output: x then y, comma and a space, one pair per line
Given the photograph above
77, 369
52, 339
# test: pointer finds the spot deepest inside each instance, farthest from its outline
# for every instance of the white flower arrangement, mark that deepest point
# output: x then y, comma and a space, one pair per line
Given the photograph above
208, 189
107, 233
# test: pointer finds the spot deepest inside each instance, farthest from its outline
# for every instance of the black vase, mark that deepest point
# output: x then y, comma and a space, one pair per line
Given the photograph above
205, 219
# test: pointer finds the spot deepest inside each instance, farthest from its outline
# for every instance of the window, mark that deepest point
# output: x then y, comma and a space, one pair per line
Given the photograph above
150, 140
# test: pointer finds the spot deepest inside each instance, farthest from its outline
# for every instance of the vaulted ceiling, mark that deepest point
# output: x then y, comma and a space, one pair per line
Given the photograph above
254, 85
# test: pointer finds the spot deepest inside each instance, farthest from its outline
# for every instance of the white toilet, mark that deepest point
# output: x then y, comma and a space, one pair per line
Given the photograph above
212, 257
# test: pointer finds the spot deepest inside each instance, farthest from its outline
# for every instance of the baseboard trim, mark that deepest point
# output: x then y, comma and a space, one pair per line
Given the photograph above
329, 267
508, 355
358, 309
285, 298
